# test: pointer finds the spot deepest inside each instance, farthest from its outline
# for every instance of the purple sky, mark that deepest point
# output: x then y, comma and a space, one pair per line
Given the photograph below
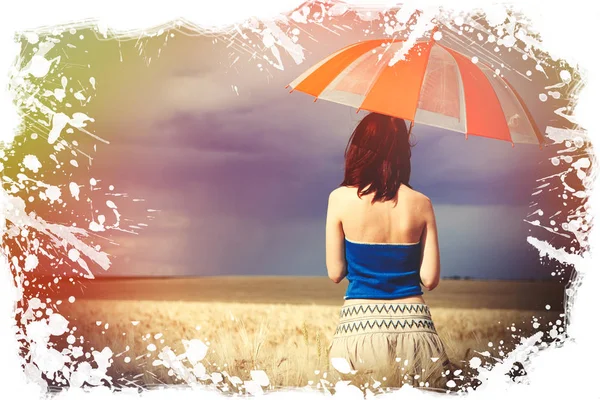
242, 179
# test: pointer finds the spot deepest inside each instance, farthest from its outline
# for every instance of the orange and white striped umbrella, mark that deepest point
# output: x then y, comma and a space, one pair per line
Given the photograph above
434, 85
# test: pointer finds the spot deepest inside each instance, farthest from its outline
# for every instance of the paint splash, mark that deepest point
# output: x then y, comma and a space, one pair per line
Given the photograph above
44, 252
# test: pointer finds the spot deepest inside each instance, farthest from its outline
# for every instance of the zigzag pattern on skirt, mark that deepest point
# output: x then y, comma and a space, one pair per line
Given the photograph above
388, 308
367, 326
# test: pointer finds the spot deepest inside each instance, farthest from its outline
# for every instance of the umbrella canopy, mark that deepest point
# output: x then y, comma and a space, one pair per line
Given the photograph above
433, 85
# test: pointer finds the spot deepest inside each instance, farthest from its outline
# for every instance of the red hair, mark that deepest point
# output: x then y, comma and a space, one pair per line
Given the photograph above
377, 158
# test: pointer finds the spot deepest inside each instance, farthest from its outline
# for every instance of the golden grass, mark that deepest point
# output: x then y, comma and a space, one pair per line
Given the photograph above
288, 342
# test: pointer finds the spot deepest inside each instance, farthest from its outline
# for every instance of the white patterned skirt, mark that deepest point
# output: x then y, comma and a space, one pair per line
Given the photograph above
392, 340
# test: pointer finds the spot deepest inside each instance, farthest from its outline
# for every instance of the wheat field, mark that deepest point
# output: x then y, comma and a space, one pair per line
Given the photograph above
287, 341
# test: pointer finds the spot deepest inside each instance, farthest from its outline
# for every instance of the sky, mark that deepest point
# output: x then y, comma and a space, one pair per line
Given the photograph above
240, 170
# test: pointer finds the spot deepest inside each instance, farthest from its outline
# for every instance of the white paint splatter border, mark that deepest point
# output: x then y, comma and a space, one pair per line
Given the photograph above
566, 32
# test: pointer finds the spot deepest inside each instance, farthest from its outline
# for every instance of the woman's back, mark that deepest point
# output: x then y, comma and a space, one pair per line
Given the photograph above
405, 225
394, 221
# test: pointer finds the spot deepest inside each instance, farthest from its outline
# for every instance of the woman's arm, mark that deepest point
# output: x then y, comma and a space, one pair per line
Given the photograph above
430, 251
335, 257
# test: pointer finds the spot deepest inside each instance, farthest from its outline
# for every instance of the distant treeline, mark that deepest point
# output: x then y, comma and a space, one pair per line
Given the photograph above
469, 278
457, 278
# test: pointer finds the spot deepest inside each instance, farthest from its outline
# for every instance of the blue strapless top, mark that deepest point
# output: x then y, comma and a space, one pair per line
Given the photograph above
382, 271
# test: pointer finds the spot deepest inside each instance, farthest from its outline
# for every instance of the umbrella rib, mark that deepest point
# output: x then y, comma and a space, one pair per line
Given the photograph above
430, 45
462, 117
536, 130
383, 64
538, 134
373, 80
376, 74
493, 91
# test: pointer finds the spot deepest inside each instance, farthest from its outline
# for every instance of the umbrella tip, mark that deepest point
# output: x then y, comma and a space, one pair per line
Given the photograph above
513, 144
286, 86
316, 98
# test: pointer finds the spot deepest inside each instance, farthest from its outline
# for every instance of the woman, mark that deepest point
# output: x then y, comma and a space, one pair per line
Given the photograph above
381, 235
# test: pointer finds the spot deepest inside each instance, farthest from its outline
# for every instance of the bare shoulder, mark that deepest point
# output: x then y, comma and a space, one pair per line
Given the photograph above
422, 202
338, 201
338, 195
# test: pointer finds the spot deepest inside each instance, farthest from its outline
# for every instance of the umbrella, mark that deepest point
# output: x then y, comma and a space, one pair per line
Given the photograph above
433, 85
